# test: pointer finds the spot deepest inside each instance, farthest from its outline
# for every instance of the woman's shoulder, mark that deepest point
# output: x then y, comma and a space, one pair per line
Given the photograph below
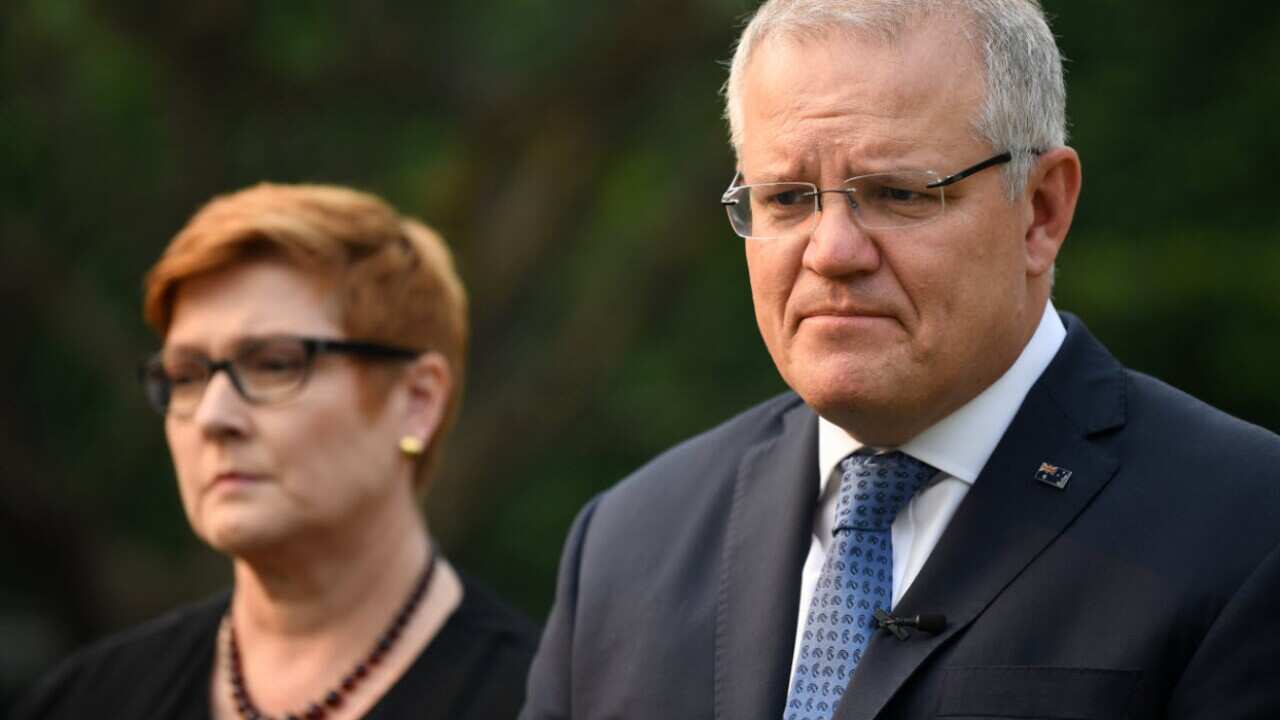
144, 667
482, 612
487, 634
474, 668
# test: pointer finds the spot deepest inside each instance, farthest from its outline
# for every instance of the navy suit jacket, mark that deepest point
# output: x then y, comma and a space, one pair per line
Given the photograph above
1147, 587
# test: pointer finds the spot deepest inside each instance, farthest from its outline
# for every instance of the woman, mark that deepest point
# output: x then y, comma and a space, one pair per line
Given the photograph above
313, 346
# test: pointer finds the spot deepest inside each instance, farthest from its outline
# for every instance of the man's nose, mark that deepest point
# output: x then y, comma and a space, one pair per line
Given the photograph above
838, 245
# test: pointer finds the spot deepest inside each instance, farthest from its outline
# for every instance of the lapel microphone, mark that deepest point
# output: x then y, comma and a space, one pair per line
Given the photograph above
931, 623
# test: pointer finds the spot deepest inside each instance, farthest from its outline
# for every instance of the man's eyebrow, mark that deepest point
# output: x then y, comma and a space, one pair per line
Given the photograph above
889, 157
906, 161
778, 173
867, 163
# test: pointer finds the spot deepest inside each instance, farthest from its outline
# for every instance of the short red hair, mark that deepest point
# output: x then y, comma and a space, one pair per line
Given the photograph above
392, 279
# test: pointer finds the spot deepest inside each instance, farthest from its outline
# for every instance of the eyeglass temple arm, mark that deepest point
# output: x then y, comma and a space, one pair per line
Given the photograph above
356, 347
1003, 157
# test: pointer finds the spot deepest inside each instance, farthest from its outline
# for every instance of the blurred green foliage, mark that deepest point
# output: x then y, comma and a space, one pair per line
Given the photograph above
572, 152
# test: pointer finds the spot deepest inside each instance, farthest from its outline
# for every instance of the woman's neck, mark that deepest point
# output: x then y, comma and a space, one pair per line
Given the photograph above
334, 583
305, 618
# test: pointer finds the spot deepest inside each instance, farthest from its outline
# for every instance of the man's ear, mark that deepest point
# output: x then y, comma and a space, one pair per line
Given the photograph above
430, 385
1053, 189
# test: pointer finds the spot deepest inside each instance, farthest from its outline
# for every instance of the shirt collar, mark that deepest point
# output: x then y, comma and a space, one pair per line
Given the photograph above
961, 443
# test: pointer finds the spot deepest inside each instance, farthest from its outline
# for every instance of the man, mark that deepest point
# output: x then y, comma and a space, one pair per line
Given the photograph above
967, 508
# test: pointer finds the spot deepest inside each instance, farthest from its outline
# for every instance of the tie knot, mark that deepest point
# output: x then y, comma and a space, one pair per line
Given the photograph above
874, 487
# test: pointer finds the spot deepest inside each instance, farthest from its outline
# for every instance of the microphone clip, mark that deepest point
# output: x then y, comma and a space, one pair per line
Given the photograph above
928, 623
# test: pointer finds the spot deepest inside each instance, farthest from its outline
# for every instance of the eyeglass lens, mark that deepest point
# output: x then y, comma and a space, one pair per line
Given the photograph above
262, 371
884, 200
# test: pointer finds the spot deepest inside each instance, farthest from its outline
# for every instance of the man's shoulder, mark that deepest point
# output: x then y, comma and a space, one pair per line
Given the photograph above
1158, 420
1201, 462
719, 448
697, 473
127, 659
1186, 424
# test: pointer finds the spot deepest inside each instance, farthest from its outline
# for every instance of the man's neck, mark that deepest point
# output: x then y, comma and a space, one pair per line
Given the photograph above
961, 442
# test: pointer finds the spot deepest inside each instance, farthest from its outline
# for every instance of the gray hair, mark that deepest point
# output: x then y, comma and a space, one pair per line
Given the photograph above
1025, 103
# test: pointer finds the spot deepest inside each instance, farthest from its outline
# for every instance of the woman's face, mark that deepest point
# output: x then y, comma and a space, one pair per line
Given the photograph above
315, 466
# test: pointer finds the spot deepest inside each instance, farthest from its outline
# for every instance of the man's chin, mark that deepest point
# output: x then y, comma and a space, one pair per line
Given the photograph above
871, 412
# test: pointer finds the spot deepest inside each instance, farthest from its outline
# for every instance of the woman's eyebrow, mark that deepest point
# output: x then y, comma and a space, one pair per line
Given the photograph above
232, 346
184, 348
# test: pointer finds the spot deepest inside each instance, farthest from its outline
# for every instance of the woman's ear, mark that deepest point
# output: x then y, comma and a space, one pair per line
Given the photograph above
430, 385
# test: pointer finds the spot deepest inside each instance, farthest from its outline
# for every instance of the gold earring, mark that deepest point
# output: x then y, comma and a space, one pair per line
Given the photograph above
410, 445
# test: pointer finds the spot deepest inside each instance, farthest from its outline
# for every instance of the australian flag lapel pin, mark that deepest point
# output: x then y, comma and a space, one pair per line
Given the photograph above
1053, 476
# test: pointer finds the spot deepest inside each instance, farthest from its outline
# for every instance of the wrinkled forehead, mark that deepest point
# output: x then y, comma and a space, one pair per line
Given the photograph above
920, 32
932, 54
924, 86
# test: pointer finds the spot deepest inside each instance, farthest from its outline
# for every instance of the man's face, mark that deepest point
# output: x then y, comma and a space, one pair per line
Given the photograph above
884, 332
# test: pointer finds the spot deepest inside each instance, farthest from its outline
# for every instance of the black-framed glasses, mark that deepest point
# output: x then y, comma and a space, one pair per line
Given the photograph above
879, 201
262, 370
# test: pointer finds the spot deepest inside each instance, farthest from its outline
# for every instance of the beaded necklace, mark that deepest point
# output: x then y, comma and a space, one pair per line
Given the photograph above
335, 698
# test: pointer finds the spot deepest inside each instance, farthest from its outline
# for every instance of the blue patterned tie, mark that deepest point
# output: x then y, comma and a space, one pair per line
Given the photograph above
856, 578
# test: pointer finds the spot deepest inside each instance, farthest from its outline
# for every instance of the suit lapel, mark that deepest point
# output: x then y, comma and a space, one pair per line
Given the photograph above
1009, 517
767, 538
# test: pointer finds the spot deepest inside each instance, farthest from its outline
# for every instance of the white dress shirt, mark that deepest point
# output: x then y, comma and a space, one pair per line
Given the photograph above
959, 445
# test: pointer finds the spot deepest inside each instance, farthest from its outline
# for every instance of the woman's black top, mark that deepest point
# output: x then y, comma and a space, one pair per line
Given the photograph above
474, 667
